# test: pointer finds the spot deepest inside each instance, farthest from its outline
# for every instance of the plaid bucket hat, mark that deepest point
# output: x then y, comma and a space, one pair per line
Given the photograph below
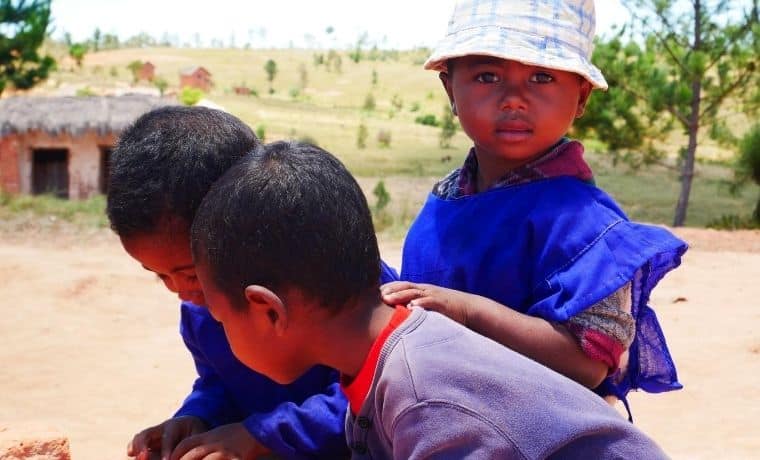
556, 34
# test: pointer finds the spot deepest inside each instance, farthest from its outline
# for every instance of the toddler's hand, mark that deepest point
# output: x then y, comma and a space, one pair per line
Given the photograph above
162, 438
228, 442
454, 304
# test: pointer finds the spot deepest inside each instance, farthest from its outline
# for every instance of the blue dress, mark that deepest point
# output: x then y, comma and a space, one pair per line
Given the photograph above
551, 248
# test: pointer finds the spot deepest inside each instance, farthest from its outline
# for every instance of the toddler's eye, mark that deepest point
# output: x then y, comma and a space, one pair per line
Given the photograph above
487, 77
541, 77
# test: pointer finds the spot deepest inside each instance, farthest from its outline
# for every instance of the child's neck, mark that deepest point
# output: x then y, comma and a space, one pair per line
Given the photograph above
492, 169
348, 336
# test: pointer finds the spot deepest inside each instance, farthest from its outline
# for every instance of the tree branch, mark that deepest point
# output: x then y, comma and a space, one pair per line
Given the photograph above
678, 115
743, 78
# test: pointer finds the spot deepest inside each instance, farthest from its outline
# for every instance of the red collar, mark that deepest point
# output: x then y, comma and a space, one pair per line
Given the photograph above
356, 389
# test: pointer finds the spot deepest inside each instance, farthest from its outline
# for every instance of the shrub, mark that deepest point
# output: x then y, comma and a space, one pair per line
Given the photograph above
306, 138
161, 84
382, 197
384, 138
397, 102
361, 136
261, 132
190, 95
448, 128
747, 167
85, 92
369, 102
427, 120
414, 107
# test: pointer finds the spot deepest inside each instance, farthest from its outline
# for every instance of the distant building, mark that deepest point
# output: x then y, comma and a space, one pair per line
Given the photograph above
146, 72
62, 145
196, 77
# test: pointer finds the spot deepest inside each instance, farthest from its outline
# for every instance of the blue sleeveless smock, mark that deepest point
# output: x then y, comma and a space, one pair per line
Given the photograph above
551, 248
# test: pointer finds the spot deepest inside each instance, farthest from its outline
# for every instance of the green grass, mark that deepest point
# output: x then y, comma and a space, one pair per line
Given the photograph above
329, 111
84, 213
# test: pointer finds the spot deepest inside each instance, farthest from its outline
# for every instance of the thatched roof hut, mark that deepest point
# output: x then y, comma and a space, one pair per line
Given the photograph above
74, 115
62, 145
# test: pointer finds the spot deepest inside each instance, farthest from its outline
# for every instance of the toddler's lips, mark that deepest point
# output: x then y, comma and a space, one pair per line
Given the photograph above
514, 135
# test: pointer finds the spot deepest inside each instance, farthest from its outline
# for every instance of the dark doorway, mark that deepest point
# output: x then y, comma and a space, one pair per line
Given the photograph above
105, 168
50, 172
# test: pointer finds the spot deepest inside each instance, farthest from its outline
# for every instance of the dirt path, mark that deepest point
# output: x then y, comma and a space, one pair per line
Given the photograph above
91, 346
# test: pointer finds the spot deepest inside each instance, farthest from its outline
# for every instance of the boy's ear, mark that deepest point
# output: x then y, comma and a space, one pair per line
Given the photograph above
583, 96
446, 81
267, 306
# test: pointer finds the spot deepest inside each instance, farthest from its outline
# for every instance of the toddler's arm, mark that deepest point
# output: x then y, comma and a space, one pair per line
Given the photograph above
550, 344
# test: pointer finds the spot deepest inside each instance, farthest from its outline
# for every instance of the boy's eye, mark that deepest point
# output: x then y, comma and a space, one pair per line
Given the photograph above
487, 77
541, 77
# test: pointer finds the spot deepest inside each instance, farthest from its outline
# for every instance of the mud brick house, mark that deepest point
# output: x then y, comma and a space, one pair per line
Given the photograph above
146, 72
196, 77
61, 145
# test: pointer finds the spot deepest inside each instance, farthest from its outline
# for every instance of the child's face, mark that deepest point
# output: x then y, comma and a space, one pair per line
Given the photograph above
513, 112
167, 254
262, 335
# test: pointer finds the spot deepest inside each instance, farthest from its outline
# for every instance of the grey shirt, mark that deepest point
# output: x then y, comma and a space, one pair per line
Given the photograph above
443, 391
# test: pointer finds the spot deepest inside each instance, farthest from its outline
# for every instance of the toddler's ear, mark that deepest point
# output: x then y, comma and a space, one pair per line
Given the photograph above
583, 96
267, 307
446, 81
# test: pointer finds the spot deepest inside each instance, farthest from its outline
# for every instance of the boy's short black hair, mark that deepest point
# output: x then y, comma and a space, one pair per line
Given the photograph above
288, 216
164, 163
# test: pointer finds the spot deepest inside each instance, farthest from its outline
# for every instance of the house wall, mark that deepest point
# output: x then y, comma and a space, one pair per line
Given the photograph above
197, 80
83, 160
147, 72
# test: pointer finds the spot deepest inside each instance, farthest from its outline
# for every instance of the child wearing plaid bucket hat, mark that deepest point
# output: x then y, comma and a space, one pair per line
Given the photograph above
521, 224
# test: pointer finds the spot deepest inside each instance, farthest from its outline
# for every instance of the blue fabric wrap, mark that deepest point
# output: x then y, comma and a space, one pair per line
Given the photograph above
305, 419
550, 248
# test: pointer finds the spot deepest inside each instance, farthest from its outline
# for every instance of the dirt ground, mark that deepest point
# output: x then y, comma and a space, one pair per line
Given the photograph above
90, 344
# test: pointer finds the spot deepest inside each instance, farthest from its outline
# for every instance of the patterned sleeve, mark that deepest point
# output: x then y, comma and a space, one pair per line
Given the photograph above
606, 329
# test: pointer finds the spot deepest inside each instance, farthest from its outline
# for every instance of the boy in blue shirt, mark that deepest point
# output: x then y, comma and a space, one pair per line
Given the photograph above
161, 168
287, 256
518, 244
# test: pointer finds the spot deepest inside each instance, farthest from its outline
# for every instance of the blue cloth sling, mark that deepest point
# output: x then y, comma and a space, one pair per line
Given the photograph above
551, 248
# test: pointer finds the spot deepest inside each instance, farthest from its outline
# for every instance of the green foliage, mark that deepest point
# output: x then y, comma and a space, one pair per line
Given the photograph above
397, 102
414, 107
135, 67
23, 25
381, 217
89, 212
113, 71
161, 84
270, 67
382, 197
361, 136
747, 166
369, 102
384, 138
427, 120
294, 93
682, 62
734, 222
261, 132
448, 127
308, 139
303, 76
334, 62
85, 92
374, 77
77, 51
190, 95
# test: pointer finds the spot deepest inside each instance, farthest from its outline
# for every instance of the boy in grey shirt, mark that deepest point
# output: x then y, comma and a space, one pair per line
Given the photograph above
288, 260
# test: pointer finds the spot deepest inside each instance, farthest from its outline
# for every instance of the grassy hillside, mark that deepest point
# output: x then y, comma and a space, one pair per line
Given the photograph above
326, 106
